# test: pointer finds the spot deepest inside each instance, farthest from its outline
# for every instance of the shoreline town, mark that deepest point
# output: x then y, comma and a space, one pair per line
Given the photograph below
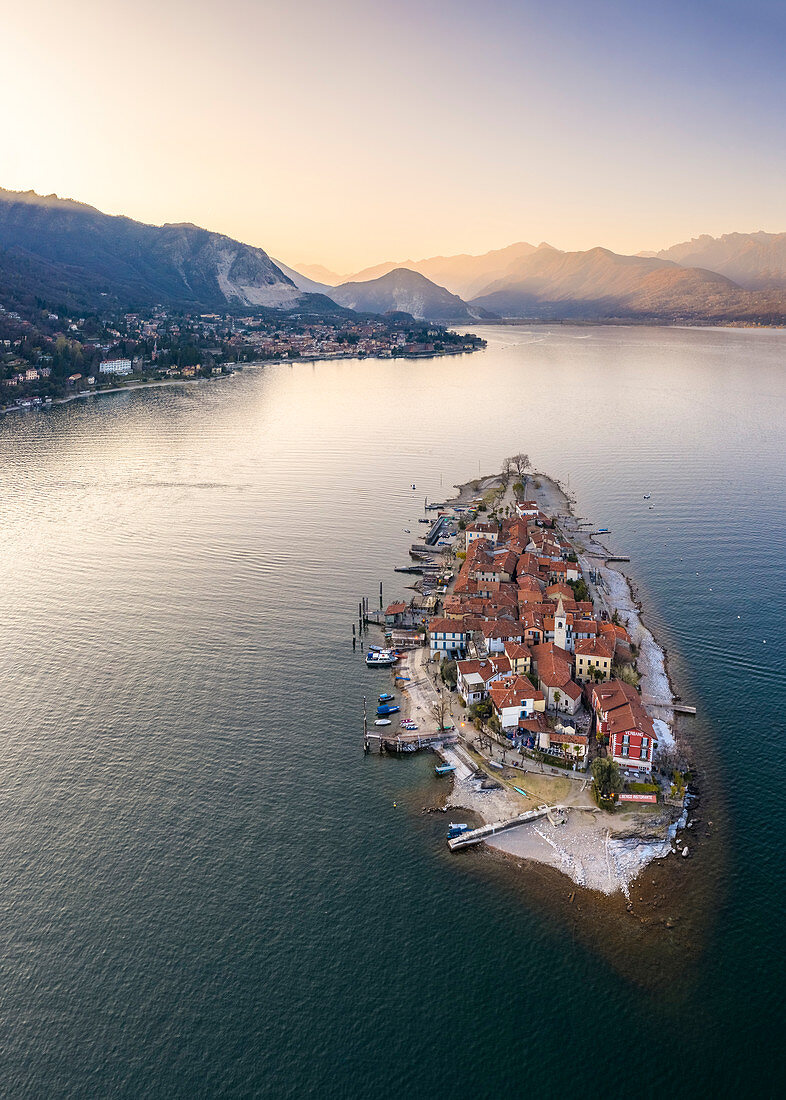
52, 357
522, 661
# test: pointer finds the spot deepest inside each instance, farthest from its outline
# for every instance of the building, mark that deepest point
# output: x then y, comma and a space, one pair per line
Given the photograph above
116, 366
553, 668
519, 657
593, 659
476, 531
514, 698
498, 632
474, 677
394, 614
564, 741
446, 637
620, 716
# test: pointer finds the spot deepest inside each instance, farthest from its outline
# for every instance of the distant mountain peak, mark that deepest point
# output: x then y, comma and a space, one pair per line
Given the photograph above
402, 290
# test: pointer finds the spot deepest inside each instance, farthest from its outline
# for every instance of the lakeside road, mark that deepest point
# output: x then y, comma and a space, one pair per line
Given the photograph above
161, 383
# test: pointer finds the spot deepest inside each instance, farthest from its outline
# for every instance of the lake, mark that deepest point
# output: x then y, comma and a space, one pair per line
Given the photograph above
207, 889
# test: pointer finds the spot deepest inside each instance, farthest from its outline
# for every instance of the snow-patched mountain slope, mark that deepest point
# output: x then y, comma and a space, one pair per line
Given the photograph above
65, 243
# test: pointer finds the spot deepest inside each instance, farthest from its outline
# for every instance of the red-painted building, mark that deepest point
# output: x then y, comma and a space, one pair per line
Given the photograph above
620, 716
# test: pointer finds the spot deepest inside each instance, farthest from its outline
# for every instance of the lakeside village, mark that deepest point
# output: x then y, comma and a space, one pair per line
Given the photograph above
514, 663
47, 355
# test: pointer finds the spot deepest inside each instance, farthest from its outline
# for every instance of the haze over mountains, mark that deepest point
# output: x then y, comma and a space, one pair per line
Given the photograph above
739, 277
56, 250
756, 261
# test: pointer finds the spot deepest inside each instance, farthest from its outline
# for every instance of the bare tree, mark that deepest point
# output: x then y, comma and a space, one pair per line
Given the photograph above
439, 711
520, 463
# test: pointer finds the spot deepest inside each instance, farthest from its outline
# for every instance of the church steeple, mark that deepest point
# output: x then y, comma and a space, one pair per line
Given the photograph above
560, 625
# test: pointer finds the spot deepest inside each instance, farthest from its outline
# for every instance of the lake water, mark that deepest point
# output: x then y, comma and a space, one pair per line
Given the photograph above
206, 887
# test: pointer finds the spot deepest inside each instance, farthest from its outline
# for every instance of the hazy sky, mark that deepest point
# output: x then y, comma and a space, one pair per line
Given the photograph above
349, 132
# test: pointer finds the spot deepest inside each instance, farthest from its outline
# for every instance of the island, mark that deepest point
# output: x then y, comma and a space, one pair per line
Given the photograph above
522, 660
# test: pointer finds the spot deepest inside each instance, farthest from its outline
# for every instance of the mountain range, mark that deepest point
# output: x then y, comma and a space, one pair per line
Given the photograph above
739, 277
57, 251
756, 261
400, 290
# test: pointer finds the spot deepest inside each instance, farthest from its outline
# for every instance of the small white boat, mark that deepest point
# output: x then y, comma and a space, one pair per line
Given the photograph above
382, 722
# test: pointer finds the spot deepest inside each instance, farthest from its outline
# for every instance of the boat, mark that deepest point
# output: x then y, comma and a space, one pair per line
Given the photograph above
456, 829
404, 678
382, 722
382, 658
385, 697
386, 709
647, 496
444, 769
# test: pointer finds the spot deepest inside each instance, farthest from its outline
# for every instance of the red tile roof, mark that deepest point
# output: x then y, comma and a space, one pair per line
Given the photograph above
592, 647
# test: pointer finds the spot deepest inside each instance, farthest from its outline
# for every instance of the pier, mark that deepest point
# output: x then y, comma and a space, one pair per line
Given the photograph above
477, 836
678, 708
401, 741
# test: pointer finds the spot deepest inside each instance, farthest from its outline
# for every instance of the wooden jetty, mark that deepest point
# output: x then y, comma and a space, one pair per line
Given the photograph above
401, 741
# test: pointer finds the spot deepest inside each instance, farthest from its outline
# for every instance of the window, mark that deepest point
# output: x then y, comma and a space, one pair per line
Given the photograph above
625, 750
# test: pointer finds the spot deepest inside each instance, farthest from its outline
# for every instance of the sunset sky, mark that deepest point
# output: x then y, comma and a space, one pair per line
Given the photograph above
349, 132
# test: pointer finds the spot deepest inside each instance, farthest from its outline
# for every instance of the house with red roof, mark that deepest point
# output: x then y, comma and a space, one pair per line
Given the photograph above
480, 530
553, 668
620, 716
519, 656
514, 698
593, 659
394, 614
474, 677
447, 637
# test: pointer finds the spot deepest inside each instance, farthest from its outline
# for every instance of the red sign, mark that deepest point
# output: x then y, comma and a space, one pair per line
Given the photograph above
638, 798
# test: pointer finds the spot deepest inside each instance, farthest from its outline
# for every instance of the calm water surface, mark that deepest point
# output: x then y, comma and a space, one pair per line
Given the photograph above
206, 888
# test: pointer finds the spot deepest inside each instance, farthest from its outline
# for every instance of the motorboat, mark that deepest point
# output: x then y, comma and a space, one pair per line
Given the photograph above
381, 658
